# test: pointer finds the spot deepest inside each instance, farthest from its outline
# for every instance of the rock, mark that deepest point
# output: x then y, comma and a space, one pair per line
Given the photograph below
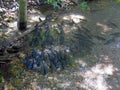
50, 78
11, 50
60, 86
71, 88
2, 49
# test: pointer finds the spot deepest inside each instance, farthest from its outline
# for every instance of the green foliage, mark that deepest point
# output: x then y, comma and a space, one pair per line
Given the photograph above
84, 6
1, 78
118, 1
55, 3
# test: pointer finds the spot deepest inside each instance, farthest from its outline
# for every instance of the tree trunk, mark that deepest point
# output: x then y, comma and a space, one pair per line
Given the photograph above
22, 22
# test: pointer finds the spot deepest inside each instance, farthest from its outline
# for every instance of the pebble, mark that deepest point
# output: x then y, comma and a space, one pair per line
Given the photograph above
50, 78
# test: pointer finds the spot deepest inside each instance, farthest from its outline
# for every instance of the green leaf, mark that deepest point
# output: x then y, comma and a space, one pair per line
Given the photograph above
84, 6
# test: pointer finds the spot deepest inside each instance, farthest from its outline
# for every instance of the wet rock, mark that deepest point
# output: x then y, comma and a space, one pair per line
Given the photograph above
59, 86
12, 50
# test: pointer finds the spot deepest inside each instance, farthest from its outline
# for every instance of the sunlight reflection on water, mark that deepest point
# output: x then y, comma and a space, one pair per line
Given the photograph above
95, 78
